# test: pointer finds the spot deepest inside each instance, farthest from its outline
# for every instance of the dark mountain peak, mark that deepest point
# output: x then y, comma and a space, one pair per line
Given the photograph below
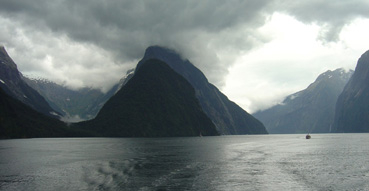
5, 60
364, 56
352, 108
2, 50
18, 120
162, 52
155, 102
12, 83
176, 62
156, 49
362, 68
225, 114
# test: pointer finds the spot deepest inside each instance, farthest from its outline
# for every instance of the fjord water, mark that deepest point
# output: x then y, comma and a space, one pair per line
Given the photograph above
262, 162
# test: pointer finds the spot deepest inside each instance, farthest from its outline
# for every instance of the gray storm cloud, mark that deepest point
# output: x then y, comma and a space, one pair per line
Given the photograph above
75, 40
200, 30
331, 15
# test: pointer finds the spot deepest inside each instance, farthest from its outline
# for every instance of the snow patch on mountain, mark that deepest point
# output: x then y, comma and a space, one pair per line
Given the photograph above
125, 79
53, 113
71, 119
294, 96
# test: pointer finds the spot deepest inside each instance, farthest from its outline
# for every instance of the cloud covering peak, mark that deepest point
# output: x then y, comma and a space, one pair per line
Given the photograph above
201, 30
93, 42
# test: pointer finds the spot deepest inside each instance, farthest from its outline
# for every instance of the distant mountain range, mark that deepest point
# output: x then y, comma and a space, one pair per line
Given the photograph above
166, 95
75, 105
352, 108
177, 106
310, 110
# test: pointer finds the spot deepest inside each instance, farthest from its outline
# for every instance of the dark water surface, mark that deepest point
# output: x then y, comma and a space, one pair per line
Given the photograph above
266, 162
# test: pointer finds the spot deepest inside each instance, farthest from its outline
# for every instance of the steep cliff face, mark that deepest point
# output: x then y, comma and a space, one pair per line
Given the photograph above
310, 110
228, 117
155, 102
18, 120
12, 83
352, 108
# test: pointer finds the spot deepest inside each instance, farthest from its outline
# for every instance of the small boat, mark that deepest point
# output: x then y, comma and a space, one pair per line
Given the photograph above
308, 136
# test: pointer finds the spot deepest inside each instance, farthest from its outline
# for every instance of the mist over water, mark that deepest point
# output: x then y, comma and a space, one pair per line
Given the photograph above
263, 162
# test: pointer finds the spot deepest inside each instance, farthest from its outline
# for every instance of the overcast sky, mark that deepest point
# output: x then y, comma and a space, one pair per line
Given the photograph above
255, 51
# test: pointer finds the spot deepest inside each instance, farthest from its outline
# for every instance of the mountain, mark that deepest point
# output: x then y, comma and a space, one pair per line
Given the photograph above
155, 102
18, 120
227, 116
11, 82
310, 110
352, 108
75, 105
